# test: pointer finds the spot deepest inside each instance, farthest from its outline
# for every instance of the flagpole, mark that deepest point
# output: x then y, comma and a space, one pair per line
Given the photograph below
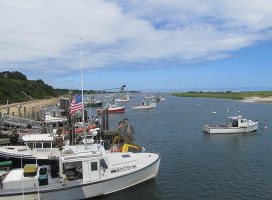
83, 117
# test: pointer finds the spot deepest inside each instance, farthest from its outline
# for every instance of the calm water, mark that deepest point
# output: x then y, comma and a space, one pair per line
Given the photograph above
196, 165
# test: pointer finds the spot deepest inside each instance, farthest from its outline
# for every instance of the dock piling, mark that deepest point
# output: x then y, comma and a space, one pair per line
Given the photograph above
33, 111
7, 108
19, 110
24, 111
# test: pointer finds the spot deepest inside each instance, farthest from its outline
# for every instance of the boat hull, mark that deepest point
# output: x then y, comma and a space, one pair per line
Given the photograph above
91, 189
230, 130
121, 110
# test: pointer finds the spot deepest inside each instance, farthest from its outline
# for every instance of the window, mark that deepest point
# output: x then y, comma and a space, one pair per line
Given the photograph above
30, 145
126, 156
38, 145
93, 166
46, 145
103, 164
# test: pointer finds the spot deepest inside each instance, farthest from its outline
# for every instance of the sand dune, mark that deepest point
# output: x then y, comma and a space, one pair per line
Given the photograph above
258, 99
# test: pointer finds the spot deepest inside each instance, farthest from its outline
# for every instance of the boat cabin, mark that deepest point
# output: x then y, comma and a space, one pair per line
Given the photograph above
113, 106
237, 121
40, 141
81, 168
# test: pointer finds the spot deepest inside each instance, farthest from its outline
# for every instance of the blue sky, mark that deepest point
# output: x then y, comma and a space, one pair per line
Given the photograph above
149, 45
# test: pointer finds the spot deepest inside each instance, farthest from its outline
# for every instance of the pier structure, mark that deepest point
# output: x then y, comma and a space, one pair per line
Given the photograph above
19, 122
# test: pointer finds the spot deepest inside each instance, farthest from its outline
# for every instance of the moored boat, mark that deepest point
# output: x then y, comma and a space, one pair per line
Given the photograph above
93, 103
113, 108
125, 98
158, 98
79, 175
37, 148
144, 105
234, 125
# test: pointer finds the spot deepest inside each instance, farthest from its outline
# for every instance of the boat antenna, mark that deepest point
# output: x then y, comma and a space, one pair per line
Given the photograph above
83, 117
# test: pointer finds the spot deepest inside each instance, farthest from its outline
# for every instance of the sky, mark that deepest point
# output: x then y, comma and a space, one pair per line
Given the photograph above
148, 45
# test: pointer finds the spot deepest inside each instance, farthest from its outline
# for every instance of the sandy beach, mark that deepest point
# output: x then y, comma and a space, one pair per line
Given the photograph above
28, 105
258, 99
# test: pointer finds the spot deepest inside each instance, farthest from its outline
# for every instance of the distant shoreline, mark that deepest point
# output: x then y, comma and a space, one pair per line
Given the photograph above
250, 97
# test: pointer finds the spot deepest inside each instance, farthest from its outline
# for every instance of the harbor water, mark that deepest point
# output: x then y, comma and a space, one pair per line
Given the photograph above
196, 165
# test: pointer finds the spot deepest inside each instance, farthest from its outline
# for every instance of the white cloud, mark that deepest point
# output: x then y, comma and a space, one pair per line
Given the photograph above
45, 35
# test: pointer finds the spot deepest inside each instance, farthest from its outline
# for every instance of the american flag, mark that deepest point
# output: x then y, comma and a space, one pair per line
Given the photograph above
76, 104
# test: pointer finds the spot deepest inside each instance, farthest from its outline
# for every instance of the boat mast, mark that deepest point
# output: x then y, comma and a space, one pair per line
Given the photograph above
83, 117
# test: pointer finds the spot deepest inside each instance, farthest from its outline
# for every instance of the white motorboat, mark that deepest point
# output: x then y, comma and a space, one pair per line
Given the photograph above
234, 125
144, 105
125, 98
81, 174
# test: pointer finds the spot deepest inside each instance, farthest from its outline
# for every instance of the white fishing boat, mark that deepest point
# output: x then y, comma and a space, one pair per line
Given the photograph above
148, 96
234, 125
93, 103
86, 173
37, 147
114, 108
158, 98
40, 147
125, 98
144, 105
